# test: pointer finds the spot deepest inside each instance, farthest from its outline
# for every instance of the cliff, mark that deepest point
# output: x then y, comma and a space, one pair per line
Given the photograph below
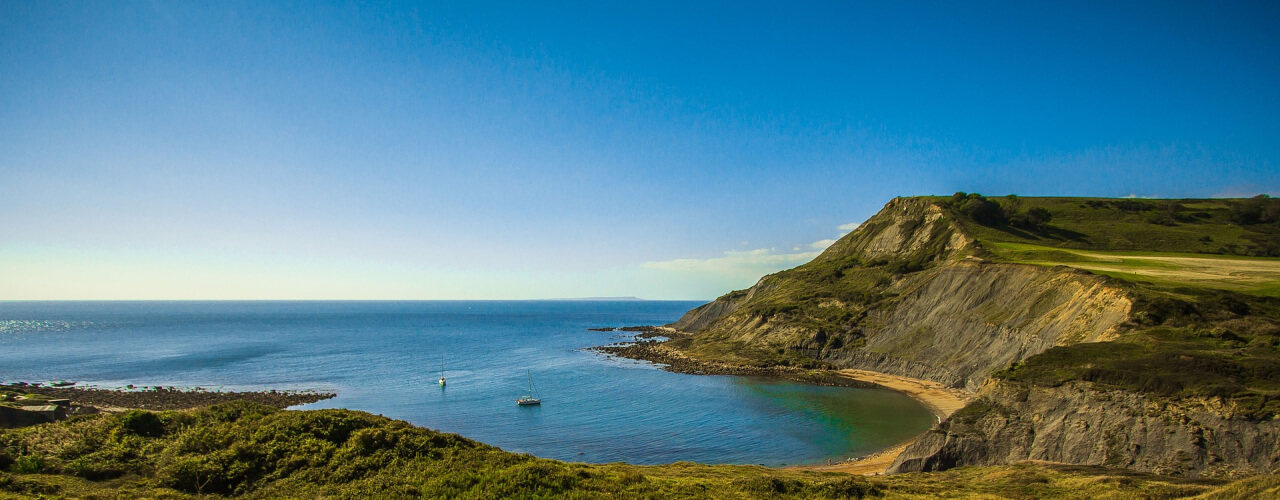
1077, 423
907, 293
1103, 338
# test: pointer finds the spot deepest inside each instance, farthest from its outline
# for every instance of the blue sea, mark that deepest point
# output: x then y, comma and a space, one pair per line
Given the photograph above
385, 358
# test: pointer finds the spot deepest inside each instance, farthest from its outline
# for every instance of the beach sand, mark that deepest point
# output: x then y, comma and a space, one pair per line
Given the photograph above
940, 399
943, 401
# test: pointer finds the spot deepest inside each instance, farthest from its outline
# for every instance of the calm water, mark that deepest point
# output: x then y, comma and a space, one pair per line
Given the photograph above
384, 357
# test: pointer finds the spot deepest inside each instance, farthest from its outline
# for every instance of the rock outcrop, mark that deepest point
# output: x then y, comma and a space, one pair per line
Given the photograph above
1077, 424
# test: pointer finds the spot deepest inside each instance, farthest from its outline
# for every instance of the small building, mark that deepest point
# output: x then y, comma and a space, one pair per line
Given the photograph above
11, 418
52, 413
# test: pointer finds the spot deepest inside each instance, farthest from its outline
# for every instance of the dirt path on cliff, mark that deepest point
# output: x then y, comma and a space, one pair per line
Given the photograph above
941, 400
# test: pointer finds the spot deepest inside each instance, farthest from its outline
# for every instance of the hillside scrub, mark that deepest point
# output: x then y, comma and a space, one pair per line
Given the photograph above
1198, 344
1246, 227
246, 450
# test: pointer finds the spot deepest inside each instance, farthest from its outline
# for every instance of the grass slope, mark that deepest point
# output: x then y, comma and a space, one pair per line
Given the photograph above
252, 451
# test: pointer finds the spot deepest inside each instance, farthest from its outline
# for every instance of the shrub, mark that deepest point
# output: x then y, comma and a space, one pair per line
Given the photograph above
850, 487
94, 469
982, 210
142, 423
29, 464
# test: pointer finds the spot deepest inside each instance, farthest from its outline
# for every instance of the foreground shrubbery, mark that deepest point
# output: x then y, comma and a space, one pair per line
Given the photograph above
248, 450
245, 449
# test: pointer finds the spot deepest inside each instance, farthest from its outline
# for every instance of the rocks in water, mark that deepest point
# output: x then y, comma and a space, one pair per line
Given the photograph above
168, 398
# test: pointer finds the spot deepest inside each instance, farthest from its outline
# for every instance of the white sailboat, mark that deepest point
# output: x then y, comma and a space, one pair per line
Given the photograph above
441, 370
530, 399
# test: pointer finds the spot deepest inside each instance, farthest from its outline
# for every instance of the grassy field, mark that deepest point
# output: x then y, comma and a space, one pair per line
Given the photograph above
1167, 270
1200, 226
251, 451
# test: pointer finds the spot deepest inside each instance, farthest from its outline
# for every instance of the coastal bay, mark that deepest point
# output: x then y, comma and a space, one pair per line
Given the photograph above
385, 357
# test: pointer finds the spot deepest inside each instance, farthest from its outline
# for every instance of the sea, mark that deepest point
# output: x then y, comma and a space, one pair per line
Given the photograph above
386, 358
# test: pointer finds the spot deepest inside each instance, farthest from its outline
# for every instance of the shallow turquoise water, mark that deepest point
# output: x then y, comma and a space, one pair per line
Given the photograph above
384, 357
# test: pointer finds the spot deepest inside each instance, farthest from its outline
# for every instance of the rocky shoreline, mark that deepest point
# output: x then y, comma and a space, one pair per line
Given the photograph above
164, 398
650, 345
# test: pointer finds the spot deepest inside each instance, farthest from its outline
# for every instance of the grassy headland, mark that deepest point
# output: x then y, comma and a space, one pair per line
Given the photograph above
1177, 301
1202, 274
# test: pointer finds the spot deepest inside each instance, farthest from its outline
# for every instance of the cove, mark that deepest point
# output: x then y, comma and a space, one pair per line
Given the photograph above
384, 358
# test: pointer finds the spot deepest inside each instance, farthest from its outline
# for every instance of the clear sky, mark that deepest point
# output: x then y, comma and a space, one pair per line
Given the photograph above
477, 150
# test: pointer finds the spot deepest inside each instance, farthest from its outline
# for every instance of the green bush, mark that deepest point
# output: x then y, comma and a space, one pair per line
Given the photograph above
95, 468
142, 423
29, 464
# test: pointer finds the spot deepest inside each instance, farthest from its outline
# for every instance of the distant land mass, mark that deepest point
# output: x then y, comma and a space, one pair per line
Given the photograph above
1104, 348
601, 299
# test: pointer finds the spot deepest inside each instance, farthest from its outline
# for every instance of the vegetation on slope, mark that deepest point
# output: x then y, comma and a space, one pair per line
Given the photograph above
1245, 227
1194, 344
1206, 321
248, 450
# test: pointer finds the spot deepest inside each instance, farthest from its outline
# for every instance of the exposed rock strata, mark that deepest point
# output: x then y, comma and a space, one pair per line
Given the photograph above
673, 360
958, 323
1079, 425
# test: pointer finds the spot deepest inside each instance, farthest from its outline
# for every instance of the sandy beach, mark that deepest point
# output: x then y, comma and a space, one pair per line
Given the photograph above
941, 400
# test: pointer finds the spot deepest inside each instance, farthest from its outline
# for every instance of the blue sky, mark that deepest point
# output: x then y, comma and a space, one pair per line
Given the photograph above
476, 150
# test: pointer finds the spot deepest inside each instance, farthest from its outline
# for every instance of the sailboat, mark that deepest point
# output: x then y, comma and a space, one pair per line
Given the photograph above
529, 400
441, 370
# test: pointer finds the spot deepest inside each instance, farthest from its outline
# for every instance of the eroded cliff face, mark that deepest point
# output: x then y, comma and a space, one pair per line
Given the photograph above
954, 322
904, 227
958, 323
1077, 424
